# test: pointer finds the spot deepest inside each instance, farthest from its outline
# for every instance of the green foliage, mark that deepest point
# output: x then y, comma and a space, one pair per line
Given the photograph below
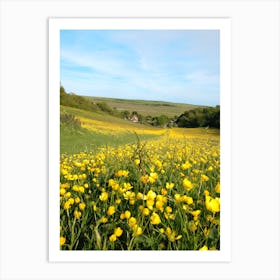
144, 107
125, 114
62, 90
161, 120
69, 120
200, 117
76, 101
103, 106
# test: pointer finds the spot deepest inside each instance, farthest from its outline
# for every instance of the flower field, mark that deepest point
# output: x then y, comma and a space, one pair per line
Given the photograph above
160, 194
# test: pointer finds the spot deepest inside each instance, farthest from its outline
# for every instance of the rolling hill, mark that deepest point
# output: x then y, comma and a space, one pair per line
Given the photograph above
144, 107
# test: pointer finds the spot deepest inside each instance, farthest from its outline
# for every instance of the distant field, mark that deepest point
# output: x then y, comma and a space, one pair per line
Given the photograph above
101, 129
145, 107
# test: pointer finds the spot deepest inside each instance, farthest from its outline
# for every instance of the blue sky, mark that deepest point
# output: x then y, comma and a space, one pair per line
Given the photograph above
168, 65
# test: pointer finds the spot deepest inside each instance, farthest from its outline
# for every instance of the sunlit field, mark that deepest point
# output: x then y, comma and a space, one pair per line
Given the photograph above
161, 193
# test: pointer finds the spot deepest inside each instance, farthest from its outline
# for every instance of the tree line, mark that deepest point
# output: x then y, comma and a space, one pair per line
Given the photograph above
200, 117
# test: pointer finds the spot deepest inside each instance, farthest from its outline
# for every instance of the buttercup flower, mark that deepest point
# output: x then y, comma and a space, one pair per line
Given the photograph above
62, 240
155, 219
187, 184
111, 210
118, 231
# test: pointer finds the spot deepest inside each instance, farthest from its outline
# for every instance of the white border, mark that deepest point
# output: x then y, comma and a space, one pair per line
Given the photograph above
221, 24
255, 176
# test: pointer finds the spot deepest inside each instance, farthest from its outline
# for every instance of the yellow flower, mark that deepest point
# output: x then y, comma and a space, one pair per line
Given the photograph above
113, 238
212, 204
132, 201
171, 235
186, 165
81, 189
75, 188
123, 173
140, 196
94, 207
145, 179
137, 230
169, 186
192, 226
155, 219
217, 188
67, 205
153, 177
145, 212
77, 200
150, 203
185, 207
206, 192
82, 206
62, 240
104, 220
118, 231
71, 200
62, 191
158, 163
178, 197
204, 178
204, 248
132, 221
111, 182
163, 191
111, 210
151, 195
196, 212
188, 199
77, 214
210, 168
103, 196
187, 184
127, 214
115, 186
168, 209
159, 205
137, 161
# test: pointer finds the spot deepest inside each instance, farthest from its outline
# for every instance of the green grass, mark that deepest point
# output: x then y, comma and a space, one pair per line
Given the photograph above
81, 140
76, 140
145, 107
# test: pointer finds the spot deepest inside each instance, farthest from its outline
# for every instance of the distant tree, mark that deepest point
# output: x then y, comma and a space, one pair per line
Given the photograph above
161, 120
200, 117
125, 114
103, 106
141, 118
62, 90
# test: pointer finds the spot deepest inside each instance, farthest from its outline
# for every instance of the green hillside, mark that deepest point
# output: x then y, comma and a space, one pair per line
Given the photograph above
84, 130
144, 107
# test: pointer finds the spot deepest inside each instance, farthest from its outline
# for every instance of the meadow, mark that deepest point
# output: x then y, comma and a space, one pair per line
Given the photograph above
145, 107
129, 186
